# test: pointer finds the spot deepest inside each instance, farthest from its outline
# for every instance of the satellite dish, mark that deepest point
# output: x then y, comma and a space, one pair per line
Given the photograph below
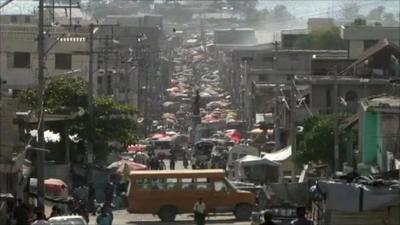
140, 120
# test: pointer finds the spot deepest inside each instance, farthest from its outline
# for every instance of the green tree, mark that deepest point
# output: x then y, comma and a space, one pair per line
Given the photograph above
317, 144
114, 122
322, 39
359, 22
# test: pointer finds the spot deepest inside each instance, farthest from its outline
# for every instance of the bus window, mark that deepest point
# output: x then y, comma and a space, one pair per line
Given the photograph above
171, 184
203, 184
220, 186
187, 184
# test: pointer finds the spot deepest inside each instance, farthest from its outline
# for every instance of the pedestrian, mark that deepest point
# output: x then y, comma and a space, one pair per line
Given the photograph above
55, 211
185, 160
199, 210
301, 217
172, 160
21, 213
92, 198
82, 210
104, 218
40, 219
268, 219
109, 192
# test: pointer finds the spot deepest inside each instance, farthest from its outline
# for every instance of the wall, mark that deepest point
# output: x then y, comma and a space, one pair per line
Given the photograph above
22, 39
319, 96
357, 35
369, 133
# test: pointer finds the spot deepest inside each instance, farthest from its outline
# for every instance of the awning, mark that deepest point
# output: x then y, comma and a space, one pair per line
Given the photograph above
280, 155
250, 160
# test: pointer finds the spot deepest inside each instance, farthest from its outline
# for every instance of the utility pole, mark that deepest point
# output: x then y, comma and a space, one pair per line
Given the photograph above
89, 175
293, 128
40, 159
105, 79
336, 125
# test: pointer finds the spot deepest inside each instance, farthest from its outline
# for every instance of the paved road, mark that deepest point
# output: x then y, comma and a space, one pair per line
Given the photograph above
121, 217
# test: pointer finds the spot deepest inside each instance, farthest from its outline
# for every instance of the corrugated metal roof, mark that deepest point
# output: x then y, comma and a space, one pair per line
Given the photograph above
19, 7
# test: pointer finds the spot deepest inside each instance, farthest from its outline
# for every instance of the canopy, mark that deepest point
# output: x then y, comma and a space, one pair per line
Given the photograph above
130, 166
136, 148
256, 131
251, 160
279, 155
255, 169
234, 135
122, 162
53, 187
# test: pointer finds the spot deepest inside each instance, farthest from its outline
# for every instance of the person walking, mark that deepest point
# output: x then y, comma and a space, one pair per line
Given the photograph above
55, 211
301, 217
172, 160
109, 193
104, 218
21, 213
199, 210
268, 219
185, 160
92, 198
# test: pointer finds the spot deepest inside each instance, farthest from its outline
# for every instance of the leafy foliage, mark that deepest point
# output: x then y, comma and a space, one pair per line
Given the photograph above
359, 22
62, 95
317, 143
114, 121
322, 39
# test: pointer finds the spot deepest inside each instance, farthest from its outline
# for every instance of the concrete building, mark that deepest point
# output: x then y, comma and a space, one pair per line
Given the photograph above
360, 38
379, 121
19, 12
18, 54
235, 36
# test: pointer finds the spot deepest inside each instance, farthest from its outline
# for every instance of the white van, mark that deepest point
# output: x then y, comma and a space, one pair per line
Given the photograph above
240, 151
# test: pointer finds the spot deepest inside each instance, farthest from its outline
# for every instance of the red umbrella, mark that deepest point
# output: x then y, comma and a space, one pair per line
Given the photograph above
55, 186
136, 148
234, 135
129, 165
158, 136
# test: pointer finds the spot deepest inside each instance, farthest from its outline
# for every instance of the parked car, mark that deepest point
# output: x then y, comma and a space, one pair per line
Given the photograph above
67, 220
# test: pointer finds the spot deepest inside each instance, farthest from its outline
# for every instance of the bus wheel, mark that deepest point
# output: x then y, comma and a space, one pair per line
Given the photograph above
167, 213
243, 211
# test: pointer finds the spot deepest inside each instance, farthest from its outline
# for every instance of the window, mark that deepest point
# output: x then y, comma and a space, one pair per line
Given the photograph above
22, 59
187, 183
14, 19
267, 59
248, 59
351, 96
369, 43
27, 19
328, 98
263, 77
63, 61
203, 184
220, 186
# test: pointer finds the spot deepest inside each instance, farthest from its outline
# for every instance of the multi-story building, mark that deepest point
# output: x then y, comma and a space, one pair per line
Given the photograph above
66, 53
360, 38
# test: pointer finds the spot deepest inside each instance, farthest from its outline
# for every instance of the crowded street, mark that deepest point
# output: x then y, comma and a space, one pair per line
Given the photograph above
244, 112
